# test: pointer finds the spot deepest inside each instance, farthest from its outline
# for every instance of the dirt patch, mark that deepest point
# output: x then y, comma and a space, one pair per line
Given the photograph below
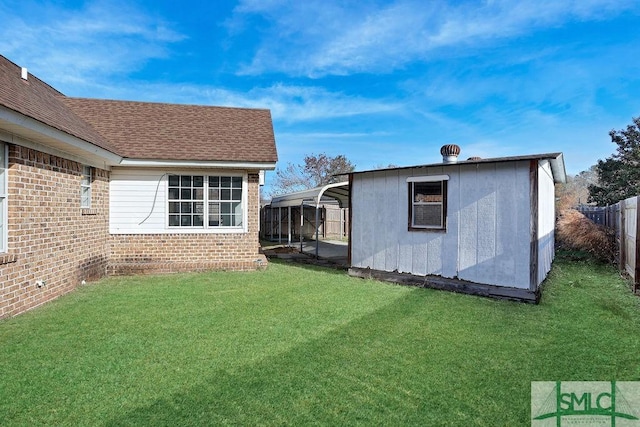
284, 250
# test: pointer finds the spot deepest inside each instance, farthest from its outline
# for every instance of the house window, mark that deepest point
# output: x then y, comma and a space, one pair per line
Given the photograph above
85, 186
3, 197
428, 202
194, 198
225, 201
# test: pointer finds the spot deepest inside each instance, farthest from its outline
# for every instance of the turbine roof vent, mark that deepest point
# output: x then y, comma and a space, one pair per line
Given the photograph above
450, 153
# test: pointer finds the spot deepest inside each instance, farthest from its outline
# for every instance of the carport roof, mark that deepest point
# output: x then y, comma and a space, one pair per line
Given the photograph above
338, 191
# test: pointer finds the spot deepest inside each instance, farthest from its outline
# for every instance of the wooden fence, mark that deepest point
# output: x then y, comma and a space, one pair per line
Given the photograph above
624, 218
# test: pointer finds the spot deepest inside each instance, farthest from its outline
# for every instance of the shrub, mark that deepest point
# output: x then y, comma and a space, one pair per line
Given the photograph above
576, 231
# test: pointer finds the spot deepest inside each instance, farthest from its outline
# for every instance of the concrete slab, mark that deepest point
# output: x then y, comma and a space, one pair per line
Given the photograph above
330, 253
329, 249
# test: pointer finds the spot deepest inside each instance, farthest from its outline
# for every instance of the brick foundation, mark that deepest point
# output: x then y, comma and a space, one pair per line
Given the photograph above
169, 253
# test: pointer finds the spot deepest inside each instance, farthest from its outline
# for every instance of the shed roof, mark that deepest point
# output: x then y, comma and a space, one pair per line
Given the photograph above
556, 160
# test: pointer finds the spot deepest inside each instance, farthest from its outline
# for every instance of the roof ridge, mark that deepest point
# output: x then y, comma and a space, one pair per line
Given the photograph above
126, 101
31, 75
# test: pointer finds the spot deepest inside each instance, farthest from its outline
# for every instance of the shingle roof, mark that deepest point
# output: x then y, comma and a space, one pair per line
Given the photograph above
38, 100
141, 130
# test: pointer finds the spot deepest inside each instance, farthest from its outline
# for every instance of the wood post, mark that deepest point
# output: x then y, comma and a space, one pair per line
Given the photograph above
619, 221
636, 267
622, 231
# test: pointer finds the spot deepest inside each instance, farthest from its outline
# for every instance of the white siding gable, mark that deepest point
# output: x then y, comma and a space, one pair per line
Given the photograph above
138, 201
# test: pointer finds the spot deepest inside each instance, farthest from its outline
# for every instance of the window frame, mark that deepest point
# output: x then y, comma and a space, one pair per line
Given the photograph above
411, 181
86, 181
207, 200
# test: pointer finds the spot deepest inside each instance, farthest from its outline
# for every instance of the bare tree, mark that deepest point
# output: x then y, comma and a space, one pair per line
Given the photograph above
316, 171
576, 190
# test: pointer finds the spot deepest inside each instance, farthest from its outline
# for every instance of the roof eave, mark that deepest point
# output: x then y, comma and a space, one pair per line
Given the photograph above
558, 169
220, 164
27, 131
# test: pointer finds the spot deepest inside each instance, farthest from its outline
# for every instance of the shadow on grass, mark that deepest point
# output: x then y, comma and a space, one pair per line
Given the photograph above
426, 357
411, 362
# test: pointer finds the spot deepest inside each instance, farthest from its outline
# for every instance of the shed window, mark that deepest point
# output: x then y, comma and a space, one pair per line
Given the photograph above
427, 203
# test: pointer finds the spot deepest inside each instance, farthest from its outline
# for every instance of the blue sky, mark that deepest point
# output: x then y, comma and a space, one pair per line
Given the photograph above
378, 81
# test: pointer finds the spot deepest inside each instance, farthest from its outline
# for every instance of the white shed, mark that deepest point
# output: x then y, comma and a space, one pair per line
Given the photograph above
480, 226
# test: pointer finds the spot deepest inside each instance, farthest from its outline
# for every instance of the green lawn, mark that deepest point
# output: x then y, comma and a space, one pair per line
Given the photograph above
298, 345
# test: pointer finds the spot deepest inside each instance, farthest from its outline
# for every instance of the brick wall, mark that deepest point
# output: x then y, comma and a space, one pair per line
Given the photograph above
50, 238
166, 253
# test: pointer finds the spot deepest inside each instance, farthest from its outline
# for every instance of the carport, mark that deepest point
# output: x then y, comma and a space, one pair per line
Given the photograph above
314, 197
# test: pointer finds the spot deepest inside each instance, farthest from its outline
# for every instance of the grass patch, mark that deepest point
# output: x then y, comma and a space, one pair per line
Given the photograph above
301, 345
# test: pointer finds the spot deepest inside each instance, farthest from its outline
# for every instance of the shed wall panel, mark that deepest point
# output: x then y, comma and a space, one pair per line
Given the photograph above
546, 219
487, 223
363, 223
468, 230
450, 240
486, 239
357, 212
405, 241
512, 223
524, 214
390, 224
379, 209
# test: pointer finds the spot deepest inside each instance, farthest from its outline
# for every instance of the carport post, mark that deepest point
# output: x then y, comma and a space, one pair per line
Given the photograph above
279, 225
289, 218
271, 222
301, 222
317, 230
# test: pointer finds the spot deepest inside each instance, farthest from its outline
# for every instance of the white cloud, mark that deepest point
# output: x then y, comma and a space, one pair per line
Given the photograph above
75, 46
318, 39
288, 103
332, 135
